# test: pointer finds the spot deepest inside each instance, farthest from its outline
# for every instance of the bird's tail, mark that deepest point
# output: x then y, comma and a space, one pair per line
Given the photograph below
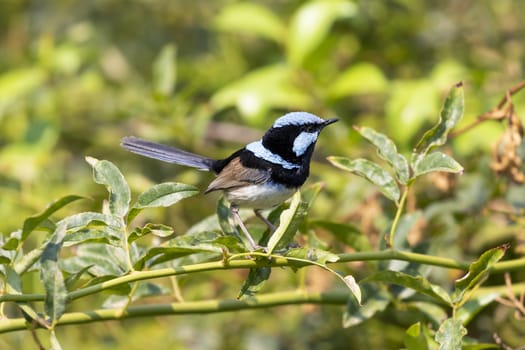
166, 153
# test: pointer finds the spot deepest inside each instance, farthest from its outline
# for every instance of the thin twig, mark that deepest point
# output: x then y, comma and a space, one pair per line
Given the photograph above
513, 90
36, 339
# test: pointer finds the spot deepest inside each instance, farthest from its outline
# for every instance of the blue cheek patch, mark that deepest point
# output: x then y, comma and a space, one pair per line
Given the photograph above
303, 141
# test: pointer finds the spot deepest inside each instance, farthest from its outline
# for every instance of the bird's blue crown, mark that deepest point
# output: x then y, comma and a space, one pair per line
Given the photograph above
297, 118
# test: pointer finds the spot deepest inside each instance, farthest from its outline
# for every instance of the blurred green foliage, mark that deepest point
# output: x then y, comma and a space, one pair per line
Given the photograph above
77, 76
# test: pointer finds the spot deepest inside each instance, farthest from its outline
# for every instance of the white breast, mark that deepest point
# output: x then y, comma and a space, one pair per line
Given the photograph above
259, 196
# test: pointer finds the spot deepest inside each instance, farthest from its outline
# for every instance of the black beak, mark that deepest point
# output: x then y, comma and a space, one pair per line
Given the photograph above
329, 121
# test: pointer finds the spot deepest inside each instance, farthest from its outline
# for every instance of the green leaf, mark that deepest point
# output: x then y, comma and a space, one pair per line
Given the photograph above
92, 227
105, 260
450, 116
158, 230
104, 234
371, 172
360, 78
417, 283
435, 161
28, 260
250, 18
289, 222
106, 173
12, 241
348, 234
158, 255
82, 220
6, 256
450, 335
273, 217
311, 24
478, 271
13, 285
352, 284
73, 278
387, 150
256, 279
8, 246
164, 195
31, 223
165, 71
52, 278
181, 246
161, 195
416, 338
13, 281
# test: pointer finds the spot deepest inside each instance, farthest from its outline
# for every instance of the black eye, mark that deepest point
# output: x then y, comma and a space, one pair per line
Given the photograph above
311, 128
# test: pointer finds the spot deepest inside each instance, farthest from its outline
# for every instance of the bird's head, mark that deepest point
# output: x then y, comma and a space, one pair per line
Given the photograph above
291, 138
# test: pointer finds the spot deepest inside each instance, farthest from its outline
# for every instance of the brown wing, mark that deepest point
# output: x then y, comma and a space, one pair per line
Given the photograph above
235, 175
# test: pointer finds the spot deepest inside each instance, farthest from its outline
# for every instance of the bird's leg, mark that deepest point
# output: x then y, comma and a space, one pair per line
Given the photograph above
263, 219
237, 217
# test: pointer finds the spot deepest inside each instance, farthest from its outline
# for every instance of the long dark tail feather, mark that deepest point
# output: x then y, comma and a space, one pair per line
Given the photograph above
166, 153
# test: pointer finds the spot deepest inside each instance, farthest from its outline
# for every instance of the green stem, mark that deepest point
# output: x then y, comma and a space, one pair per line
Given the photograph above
276, 261
400, 208
516, 289
130, 298
509, 265
176, 291
407, 256
125, 245
194, 307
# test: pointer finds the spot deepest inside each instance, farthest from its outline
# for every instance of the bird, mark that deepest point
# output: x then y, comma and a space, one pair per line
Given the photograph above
261, 175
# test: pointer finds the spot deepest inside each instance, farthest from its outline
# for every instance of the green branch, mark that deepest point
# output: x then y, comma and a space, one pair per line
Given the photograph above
275, 262
192, 307
509, 265
405, 256
215, 306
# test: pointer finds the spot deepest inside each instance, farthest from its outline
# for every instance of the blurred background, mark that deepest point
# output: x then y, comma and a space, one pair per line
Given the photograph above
209, 76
